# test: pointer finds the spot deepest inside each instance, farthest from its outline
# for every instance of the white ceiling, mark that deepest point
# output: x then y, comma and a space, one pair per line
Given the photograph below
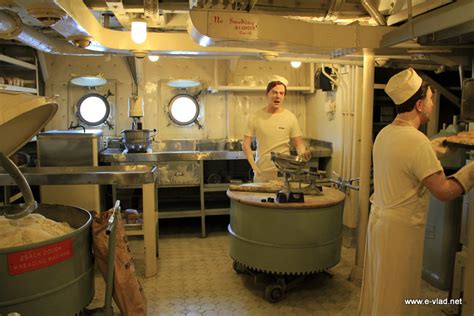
440, 31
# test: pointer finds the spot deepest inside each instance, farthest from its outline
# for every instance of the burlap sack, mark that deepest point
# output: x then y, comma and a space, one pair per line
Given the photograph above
128, 292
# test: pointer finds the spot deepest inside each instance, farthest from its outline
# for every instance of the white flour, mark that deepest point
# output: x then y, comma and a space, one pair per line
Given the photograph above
29, 229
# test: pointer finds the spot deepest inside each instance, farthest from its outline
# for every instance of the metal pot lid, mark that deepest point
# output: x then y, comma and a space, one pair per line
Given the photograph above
22, 116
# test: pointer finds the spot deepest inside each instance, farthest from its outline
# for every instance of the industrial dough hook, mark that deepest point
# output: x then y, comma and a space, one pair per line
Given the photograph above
18, 211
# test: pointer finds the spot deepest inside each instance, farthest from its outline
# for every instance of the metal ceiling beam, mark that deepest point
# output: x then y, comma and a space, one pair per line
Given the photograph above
416, 10
116, 6
457, 13
251, 5
445, 92
451, 35
152, 12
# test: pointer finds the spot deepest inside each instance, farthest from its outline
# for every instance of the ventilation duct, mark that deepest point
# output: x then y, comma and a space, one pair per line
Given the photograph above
275, 33
11, 27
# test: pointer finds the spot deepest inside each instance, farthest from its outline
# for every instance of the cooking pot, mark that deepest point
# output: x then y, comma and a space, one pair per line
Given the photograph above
137, 140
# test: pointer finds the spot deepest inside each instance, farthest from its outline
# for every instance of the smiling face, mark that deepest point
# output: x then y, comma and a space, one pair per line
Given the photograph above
275, 98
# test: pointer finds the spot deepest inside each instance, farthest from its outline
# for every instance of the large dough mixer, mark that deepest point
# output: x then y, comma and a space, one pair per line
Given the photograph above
288, 239
50, 277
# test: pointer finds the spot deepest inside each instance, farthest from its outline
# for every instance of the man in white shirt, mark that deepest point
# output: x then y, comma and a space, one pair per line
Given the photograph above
405, 170
274, 127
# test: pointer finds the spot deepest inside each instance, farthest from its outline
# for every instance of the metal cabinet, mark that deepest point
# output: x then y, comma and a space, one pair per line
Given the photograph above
184, 189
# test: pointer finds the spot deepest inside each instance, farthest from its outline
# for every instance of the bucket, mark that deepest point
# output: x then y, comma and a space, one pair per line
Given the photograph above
51, 277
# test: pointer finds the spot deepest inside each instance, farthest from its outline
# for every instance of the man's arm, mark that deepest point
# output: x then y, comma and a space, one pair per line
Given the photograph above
447, 189
249, 154
442, 188
301, 148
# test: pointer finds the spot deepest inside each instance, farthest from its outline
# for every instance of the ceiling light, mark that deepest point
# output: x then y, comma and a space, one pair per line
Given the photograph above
138, 31
153, 58
295, 64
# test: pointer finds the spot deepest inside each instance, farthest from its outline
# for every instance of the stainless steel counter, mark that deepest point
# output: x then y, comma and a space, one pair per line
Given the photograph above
129, 174
113, 155
117, 156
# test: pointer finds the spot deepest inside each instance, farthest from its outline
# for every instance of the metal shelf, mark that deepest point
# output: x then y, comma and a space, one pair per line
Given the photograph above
179, 214
17, 62
218, 187
22, 64
7, 87
217, 211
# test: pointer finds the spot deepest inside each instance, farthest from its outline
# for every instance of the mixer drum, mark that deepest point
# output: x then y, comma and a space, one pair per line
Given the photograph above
289, 238
52, 277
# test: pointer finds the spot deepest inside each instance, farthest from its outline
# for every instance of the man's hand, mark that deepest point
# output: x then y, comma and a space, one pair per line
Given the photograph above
465, 176
306, 155
256, 170
439, 148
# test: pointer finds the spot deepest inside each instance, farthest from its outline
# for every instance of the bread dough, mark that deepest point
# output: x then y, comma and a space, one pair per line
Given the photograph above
30, 229
462, 138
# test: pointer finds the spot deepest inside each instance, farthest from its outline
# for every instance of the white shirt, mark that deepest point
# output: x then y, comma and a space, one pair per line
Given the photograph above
273, 132
403, 157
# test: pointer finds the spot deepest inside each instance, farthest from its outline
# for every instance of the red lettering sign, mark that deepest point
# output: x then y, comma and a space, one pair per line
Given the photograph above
38, 258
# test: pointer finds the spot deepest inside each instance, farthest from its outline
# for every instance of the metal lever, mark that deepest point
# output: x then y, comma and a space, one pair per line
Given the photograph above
111, 221
30, 204
342, 184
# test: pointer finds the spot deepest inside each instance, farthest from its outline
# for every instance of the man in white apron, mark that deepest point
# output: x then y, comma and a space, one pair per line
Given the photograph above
405, 169
273, 126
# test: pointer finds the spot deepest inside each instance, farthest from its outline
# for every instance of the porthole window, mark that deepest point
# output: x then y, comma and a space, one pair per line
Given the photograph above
93, 109
183, 109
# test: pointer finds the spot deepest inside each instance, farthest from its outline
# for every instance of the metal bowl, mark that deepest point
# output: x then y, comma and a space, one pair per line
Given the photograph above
137, 141
287, 163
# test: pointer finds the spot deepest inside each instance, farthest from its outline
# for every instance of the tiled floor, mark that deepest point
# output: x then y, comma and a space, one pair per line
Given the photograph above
195, 277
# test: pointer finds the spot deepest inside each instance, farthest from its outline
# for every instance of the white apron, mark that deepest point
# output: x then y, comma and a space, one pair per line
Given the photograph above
393, 257
266, 176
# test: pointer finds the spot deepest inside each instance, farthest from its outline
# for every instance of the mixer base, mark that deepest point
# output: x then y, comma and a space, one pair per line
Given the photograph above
277, 285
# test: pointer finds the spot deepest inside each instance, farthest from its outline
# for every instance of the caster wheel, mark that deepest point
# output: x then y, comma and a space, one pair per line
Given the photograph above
239, 268
274, 293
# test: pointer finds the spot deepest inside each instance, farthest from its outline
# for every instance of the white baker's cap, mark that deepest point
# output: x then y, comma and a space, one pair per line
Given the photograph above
403, 85
278, 78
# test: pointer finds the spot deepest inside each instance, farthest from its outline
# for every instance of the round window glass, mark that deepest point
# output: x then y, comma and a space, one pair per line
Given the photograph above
93, 109
183, 109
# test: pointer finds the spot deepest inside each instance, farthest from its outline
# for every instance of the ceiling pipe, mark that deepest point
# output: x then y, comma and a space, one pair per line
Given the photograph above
374, 12
11, 27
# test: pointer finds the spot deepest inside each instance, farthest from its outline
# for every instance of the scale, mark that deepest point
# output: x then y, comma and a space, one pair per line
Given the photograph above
308, 181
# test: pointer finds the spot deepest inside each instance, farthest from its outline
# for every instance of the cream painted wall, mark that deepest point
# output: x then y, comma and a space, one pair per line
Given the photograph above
325, 121
223, 114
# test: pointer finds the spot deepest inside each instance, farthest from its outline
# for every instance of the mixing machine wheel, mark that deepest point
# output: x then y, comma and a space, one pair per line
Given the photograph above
274, 292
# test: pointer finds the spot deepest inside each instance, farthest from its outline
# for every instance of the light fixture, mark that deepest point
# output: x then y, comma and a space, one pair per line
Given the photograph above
295, 64
89, 81
138, 31
153, 58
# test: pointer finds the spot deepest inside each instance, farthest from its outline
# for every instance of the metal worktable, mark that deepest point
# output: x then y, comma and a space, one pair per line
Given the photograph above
142, 175
117, 156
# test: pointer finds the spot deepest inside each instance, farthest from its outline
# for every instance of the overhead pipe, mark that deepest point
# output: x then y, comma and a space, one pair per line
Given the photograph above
11, 27
374, 12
